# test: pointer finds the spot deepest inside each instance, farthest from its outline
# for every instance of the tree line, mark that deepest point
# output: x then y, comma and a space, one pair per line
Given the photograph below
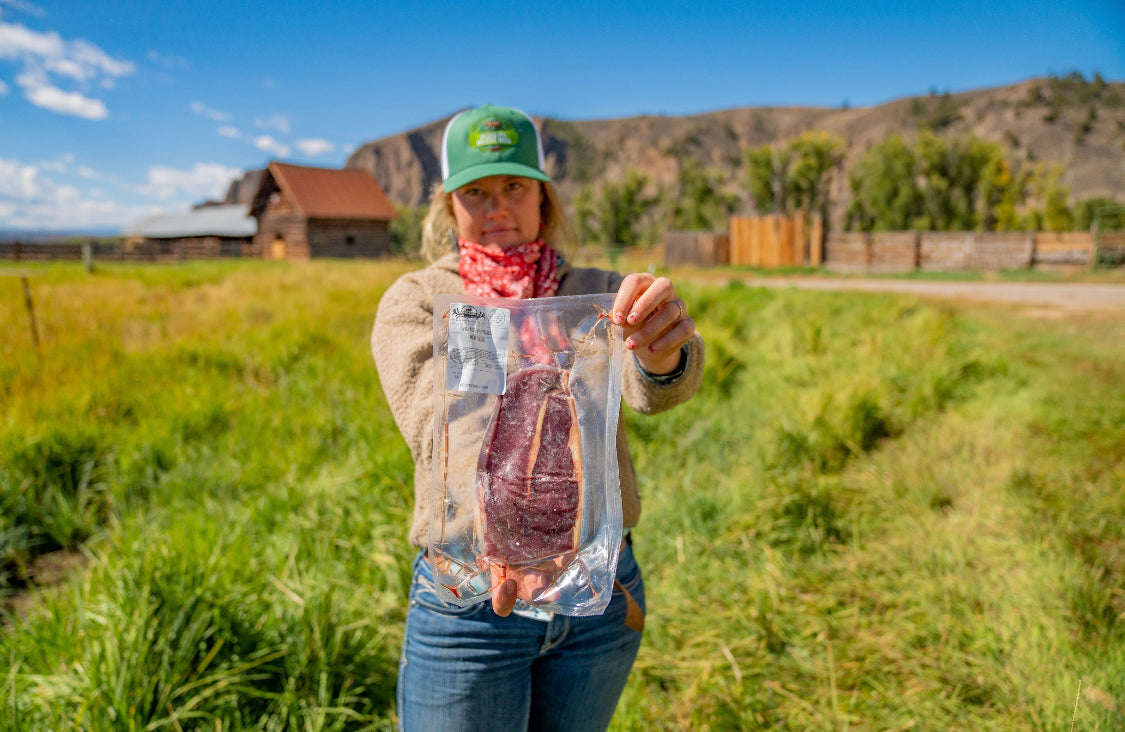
932, 183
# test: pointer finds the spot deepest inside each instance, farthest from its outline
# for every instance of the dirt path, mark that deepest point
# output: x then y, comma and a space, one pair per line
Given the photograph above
1061, 296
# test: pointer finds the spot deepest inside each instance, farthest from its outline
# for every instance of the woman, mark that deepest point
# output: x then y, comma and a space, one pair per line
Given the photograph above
494, 228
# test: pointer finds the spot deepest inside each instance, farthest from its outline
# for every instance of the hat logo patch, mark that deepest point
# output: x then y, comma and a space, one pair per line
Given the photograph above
493, 136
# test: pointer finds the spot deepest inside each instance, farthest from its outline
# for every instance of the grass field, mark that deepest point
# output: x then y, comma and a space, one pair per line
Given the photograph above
880, 513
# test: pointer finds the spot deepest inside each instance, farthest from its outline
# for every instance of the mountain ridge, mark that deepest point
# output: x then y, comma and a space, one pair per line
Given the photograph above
1068, 121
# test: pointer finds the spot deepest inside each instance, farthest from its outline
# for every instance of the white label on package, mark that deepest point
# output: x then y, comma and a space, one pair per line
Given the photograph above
477, 354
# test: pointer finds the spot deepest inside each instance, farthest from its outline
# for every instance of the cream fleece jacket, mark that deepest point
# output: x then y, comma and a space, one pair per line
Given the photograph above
402, 344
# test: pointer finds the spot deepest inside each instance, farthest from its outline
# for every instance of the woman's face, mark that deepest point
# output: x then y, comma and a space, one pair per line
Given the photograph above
498, 211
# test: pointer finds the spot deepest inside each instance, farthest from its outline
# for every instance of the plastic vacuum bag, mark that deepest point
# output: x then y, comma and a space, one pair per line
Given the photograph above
525, 477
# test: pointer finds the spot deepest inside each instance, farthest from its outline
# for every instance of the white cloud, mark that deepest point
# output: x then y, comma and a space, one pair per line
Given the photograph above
204, 180
213, 114
315, 146
277, 122
3, 89
23, 7
20, 181
45, 57
229, 131
18, 42
31, 200
69, 209
272, 146
79, 60
84, 61
40, 92
84, 172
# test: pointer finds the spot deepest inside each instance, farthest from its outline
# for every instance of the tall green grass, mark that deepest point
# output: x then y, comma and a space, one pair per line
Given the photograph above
884, 513
879, 513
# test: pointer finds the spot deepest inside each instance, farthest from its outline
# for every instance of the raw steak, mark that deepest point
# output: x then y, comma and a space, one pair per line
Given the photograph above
529, 474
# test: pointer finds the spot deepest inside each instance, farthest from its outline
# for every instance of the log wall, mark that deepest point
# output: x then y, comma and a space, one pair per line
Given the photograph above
348, 238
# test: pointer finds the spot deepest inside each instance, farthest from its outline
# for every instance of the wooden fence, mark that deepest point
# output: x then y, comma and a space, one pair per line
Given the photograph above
1111, 248
946, 251
752, 241
776, 241
699, 248
160, 250
761, 241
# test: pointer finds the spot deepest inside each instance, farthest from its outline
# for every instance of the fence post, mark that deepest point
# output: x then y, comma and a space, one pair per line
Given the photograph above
88, 256
1095, 232
800, 241
816, 243
31, 315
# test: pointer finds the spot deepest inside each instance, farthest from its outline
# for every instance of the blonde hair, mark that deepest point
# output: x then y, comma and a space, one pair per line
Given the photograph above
439, 229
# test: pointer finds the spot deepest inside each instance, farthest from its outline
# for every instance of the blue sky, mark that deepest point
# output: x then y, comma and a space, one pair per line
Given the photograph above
112, 111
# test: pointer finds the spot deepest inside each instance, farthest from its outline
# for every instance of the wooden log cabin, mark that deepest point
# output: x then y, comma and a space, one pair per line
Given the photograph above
307, 212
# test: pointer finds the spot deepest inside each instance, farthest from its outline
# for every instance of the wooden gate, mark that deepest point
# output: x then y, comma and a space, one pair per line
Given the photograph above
776, 241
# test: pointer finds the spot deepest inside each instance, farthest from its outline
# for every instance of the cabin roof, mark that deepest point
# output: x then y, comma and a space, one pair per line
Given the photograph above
325, 193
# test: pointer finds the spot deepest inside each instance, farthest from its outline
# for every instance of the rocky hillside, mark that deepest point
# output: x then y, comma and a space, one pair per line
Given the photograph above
1076, 123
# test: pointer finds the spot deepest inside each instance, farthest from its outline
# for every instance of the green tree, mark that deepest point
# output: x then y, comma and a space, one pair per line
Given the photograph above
767, 177
795, 176
1003, 190
406, 230
586, 215
939, 184
951, 171
1055, 195
818, 155
885, 196
936, 112
1105, 213
614, 215
700, 202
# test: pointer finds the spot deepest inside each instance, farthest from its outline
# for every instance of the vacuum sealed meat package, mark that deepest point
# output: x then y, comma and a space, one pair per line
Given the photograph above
525, 481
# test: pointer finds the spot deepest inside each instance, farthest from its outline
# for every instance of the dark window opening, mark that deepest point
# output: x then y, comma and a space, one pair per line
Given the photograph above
350, 240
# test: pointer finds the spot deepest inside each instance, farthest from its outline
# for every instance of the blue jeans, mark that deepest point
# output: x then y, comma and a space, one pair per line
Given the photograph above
468, 668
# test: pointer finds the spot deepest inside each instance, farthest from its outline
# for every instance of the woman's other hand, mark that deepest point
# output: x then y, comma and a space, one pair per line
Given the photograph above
654, 321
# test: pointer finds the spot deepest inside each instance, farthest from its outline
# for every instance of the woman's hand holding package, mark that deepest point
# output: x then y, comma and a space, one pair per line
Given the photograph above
654, 321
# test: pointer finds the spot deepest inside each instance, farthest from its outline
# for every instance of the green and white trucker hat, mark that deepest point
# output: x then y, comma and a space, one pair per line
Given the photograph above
490, 141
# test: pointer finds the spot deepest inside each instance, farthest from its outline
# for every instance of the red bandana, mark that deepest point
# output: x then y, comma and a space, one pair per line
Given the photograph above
527, 270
